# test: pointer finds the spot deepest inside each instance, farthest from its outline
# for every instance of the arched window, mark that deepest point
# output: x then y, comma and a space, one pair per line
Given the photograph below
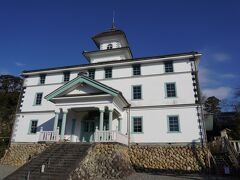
109, 46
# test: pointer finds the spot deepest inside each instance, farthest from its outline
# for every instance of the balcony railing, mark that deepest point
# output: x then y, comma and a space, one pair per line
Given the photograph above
110, 136
49, 136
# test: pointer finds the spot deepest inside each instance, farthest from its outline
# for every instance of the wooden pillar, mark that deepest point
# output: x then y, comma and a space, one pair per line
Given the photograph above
110, 119
56, 121
101, 120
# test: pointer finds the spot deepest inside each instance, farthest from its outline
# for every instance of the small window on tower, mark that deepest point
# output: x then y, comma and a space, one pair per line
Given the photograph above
109, 46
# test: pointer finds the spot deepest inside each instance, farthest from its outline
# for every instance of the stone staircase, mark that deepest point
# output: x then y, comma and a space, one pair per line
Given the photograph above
56, 162
224, 155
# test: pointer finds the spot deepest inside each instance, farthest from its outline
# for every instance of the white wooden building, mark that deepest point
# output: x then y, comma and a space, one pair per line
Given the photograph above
115, 97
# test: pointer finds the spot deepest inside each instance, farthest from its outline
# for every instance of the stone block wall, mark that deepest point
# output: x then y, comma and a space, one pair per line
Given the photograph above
105, 160
150, 158
19, 154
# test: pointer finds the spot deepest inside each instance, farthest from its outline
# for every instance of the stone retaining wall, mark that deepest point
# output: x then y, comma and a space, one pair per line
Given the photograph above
150, 158
19, 154
105, 160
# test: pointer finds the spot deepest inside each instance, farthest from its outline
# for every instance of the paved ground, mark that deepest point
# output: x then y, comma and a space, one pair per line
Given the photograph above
6, 170
144, 176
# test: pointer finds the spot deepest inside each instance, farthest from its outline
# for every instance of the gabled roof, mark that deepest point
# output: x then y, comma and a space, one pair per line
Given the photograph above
88, 81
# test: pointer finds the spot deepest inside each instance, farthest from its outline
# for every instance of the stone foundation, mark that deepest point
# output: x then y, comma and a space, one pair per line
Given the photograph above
169, 159
105, 160
19, 154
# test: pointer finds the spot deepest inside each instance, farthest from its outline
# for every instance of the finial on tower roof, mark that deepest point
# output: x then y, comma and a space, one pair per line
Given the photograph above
113, 28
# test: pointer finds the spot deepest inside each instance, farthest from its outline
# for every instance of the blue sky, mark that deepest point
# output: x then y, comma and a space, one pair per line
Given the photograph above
48, 33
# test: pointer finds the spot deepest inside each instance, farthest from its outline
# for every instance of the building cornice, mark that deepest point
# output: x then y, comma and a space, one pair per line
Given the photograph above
150, 59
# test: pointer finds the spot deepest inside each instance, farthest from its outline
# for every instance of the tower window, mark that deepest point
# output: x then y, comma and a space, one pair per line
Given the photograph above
136, 69
109, 46
168, 66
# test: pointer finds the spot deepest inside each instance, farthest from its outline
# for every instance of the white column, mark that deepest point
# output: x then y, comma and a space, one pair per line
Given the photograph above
64, 119
120, 124
101, 120
56, 121
110, 119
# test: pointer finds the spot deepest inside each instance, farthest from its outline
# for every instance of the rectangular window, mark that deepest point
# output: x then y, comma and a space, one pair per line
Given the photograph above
137, 125
38, 100
66, 77
108, 73
42, 78
168, 66
136, 70
91, 73
173, 123
137, 92
170, 90
33, 127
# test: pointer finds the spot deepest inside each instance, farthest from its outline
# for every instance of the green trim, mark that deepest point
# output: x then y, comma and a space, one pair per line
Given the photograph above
30, 126
82, 79
141, 92
165, 89
35, 99
168, 127
132, 132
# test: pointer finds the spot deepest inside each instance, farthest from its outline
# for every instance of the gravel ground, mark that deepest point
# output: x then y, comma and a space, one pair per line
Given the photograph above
6, 170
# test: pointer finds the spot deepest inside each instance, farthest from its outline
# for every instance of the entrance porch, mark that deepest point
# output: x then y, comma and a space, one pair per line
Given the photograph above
86, 124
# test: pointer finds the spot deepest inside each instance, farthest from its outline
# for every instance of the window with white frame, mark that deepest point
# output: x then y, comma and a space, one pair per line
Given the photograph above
108, 72
137, 92
170, 90
173, 124
38, 99
168, 66
66, 77
137, 125
33, 127
136, 69
42, 78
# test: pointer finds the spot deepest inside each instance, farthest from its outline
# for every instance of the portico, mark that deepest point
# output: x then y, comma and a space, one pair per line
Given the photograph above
80, 116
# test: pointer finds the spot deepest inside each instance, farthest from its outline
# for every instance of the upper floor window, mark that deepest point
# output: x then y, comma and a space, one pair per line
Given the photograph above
168, 66
33, 127
42, 78
171, 90
137, 125
38, 99
66, 77
108, 72
91, 73
173, 124
137, 92
136, 69
109, 46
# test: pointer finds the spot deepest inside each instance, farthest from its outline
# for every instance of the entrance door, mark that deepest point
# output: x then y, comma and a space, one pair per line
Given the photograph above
88, 130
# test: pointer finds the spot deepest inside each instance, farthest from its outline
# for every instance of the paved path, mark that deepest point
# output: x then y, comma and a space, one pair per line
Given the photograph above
6, 170
144, 176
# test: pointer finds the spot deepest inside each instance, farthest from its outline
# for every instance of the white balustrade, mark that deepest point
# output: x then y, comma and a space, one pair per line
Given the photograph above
110, 136
49, 136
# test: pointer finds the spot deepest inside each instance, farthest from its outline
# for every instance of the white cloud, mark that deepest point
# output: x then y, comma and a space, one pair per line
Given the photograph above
206, 76
221, 56
228, 76
220, 92
19, 64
